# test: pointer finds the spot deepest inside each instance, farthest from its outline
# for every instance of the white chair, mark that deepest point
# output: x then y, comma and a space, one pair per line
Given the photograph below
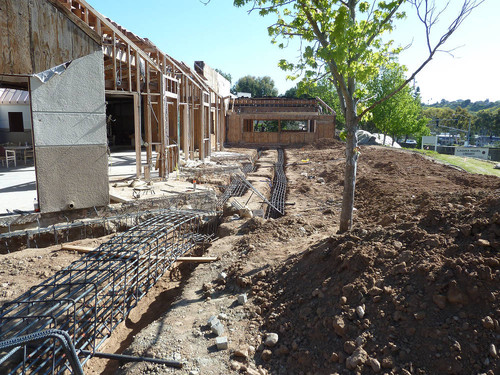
28, 153
10, 155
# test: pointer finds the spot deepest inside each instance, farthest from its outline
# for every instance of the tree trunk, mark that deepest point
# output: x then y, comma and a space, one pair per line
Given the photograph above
350, 172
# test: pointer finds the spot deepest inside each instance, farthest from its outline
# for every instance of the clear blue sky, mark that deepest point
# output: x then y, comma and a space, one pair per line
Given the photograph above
236, 42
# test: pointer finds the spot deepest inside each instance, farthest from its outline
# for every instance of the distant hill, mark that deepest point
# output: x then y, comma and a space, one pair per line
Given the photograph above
465, 104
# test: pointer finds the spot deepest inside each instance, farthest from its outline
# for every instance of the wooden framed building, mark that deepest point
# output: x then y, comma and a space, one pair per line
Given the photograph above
279, 121
161, 103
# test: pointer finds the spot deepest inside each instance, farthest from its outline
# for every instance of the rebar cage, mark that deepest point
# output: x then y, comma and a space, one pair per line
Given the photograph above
278, 192
89, 298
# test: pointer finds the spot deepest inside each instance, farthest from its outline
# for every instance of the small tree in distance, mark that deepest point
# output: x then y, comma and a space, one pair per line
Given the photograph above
400, 115
257, 86
342, 40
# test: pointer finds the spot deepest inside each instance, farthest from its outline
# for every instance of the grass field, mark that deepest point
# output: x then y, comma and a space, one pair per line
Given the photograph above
469, 164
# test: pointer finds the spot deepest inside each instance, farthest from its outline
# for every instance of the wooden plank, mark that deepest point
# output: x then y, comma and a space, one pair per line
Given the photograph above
114, 61
137, 134
86, 250
119, 199
80, 249
197, 259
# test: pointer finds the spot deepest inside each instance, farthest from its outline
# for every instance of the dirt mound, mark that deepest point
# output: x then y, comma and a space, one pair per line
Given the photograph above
324, 143
414, 288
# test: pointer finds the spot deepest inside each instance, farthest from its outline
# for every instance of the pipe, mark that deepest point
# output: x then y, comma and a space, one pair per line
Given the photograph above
131, 358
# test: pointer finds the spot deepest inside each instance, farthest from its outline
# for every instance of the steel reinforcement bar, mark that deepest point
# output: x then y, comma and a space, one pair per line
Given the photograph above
94, 294
236, 187
277, 206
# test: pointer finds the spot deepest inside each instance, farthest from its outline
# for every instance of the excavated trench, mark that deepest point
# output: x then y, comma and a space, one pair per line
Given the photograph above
94, 296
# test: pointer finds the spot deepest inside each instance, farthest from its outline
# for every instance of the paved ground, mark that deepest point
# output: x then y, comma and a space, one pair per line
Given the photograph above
18, 187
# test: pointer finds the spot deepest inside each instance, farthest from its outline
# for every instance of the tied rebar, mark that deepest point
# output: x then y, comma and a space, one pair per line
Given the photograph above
93, 295
236, 187
277, 207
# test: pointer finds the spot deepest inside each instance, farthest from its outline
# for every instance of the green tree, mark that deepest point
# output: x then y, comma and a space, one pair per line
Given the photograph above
342, 39
401, 115
257, 86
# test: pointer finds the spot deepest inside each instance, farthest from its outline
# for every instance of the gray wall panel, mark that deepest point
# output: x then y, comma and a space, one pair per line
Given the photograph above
72, 175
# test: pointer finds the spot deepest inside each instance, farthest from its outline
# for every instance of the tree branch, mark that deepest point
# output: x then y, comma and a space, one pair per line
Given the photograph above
467, 8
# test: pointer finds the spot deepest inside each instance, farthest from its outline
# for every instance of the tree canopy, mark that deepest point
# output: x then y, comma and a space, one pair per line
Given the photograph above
342, 40
257, 86
402, 114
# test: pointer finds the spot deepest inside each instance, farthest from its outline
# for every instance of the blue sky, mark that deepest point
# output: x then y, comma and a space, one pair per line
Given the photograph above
236, 42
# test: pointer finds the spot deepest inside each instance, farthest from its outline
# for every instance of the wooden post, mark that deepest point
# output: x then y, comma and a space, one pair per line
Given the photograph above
202, 125
98, 26
162, 121
114, 60
209, 135
137, 133
185, 129
192, 119
137, 72
147, 127
129, 64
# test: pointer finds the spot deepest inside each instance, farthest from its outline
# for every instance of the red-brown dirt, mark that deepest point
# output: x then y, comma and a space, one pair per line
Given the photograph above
414, 288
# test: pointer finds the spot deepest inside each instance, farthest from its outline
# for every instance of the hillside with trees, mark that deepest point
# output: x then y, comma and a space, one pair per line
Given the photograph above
484, 116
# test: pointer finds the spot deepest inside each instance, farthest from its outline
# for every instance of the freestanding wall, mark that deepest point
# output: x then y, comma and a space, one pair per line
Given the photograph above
69, 125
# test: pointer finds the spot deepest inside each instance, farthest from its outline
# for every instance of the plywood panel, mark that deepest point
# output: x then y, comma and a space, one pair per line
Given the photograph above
36, 36
15, 56
55, 38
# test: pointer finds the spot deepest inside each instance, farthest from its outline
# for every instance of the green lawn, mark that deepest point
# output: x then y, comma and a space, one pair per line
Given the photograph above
469, 164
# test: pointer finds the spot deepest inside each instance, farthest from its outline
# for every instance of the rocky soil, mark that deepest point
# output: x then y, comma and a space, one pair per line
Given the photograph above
413, 289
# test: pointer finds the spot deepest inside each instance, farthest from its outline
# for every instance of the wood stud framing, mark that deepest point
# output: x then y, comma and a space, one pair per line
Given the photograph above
164, 89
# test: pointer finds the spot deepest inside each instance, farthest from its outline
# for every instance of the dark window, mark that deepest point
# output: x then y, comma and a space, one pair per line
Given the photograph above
16, 122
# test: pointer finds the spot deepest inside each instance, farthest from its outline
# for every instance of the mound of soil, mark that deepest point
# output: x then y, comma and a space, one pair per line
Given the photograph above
414, 288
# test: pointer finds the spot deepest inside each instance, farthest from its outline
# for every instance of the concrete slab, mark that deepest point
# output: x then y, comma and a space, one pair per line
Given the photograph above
18, 186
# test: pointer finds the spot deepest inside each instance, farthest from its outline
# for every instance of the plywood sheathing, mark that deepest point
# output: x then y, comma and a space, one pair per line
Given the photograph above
41, 35
168, 90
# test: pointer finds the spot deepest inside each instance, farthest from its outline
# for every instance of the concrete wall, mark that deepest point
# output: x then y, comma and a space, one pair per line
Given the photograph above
5, 135
69, 125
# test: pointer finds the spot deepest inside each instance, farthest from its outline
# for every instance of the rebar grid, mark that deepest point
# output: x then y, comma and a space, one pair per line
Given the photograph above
89, 298
277, 206
236, 188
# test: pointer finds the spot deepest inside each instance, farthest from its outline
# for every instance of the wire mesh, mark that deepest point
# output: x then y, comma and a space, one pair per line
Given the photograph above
89, 298
278, 192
